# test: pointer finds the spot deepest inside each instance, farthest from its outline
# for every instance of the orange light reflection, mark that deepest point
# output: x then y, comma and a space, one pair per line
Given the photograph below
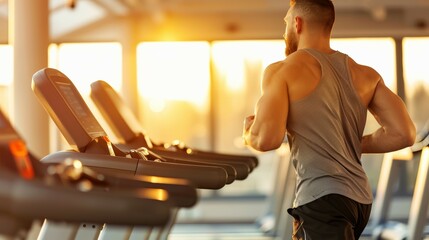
178, 71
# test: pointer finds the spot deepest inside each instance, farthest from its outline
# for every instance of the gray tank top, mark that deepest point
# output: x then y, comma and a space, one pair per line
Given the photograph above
324, 132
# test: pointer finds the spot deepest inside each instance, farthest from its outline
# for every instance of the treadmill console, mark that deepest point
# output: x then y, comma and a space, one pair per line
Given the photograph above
119, 116
67, 108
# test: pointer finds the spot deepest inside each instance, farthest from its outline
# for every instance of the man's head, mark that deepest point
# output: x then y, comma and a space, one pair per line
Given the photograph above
307, 15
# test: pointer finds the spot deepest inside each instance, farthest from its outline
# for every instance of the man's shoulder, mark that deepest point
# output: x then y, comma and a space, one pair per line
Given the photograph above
299, 56
285, 67
364, 71
293, 61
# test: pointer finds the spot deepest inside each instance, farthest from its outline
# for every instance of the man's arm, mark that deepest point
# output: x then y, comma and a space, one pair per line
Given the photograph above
265, 130
397, 130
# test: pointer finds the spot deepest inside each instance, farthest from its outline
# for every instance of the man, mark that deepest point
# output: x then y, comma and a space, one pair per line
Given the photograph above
320, 97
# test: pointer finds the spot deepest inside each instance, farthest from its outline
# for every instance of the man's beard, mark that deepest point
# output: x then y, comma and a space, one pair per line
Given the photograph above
291, 44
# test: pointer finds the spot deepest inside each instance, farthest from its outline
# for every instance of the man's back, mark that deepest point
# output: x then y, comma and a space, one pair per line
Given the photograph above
302, 74
308, 71
324, 128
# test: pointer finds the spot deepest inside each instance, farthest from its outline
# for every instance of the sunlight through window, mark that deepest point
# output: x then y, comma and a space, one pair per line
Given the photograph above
6, 64
232, 58
416, 74
6, 77
173, 82
416, 70
53, 55
174, 71
85, 63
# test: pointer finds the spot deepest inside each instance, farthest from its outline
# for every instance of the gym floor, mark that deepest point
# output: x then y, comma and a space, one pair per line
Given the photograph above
220, 232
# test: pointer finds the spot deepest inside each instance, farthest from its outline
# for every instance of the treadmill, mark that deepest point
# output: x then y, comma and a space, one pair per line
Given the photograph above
181, 192
416, 228
69, 111
59, 96
126, 127
68, 192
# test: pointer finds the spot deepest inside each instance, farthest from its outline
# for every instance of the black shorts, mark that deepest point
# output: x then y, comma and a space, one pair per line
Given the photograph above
332, 217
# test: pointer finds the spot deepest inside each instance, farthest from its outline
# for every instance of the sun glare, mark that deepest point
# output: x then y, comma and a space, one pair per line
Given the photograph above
6, 64
85, 63
233, 59
157, 105
53, 56
416, 68
174, 71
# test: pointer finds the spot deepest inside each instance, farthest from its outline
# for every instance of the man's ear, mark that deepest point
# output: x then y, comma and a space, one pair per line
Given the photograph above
298, 24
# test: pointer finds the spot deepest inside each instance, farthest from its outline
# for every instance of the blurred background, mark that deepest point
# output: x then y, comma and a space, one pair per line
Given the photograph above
191, 70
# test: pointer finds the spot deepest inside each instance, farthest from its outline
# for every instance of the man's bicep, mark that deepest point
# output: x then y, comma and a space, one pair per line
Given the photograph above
273, 104
272, 111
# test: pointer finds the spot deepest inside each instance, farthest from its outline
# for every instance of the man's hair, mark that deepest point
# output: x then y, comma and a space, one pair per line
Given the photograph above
320, 12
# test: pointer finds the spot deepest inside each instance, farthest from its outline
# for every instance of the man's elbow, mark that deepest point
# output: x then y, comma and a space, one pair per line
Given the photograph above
267, 145
409, 137
406, 137
265, 148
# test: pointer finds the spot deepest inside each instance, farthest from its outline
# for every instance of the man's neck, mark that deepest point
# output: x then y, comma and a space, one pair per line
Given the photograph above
318, 43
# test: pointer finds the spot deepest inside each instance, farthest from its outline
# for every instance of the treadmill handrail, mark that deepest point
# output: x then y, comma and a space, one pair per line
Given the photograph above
124, 173
35, 200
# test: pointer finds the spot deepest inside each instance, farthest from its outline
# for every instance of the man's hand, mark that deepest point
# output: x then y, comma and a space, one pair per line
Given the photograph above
248, 121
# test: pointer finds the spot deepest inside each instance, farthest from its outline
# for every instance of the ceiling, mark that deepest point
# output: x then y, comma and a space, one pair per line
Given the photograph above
70, 15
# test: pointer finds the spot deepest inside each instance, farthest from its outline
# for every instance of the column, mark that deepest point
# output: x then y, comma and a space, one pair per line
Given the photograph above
129, 65
29, 36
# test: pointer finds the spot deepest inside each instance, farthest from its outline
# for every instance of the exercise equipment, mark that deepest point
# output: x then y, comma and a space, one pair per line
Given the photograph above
68, 110
181, 191
126, 127
380, 227
67, 192
182, 194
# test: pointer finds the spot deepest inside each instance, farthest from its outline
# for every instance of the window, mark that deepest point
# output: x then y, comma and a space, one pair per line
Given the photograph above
85, 63
416, 73
6, 68
416, 76
173, 83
